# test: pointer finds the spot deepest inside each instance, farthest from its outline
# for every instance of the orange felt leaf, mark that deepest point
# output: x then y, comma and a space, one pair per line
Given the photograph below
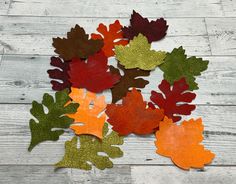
110, 37
87, 115
182, 143
133, 115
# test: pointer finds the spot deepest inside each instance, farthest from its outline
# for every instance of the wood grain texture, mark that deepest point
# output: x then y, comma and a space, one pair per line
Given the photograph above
29, 83
220, 137
117, 8
229, 8
159, 174
4, 6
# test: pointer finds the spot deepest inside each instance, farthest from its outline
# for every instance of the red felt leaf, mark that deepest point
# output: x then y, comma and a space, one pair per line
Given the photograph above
59, 73
133, 115
92, 74
111, 37
153, 30
169, 102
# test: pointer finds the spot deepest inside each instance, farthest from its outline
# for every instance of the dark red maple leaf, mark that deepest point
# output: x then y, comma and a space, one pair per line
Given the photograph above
59, 73
92, 74
169, 102
153, 30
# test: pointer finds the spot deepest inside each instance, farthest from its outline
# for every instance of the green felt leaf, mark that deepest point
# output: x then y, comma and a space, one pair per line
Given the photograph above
138, 54
90, 147
177, 65
55, 117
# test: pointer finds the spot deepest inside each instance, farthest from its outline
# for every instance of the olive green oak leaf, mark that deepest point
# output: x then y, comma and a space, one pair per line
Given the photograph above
90, 146
138, 54
177, 65
55, 117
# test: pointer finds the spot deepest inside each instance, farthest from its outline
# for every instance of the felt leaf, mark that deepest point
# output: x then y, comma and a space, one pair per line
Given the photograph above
127, 80
92, 116
133, 115
77, 44
138, 54
154, 30
173, 100
111, 37
59, 73
177, 65
41, 130
93, 74
182, 143
87, 154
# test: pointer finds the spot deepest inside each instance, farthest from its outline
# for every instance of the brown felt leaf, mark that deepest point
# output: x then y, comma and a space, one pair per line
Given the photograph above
76, 45
128, 80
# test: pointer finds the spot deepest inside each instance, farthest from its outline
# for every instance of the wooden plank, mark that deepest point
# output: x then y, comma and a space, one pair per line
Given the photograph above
220, 137
222, 35
42, 44
4, 5
171, 174
117, 8
34, 175
56, 26
34, 81
229, 8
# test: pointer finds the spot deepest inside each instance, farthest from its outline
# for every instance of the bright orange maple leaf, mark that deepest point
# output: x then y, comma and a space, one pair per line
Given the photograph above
133, 115
111, 37
89, 113
182, 143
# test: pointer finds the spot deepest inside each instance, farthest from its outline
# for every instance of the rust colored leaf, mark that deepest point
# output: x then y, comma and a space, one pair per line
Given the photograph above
175, 99
59, 73
92, 74
111, 37
133, 115
76, 45
89, 113
182, 143
128, 80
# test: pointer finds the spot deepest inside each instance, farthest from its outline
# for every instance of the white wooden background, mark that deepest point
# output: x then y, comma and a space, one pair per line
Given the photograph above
205, 28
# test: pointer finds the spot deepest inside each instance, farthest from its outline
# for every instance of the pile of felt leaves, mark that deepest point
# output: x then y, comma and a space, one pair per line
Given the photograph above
82, 71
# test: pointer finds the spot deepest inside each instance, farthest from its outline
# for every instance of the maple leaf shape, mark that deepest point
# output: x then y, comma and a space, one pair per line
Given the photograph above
182, 143
60, 73
92, 118
172, 97
177, 65
77, 44
154, 30
88, 152
138, 54
93, 74
129, 79
110, 37
55, 118
140, 119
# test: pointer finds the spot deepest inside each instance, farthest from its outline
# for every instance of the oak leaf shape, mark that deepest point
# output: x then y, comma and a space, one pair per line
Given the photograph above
182, 143
154, 30
177, 65
111, 37
130, 78
133, 115
59, 73
41, 130
92, 74
138, 54
87, 154
172, 102
89, 113
76, 45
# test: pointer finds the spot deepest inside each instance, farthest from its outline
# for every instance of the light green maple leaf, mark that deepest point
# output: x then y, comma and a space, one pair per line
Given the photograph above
90, 146
55, 118
177, 65
138, 54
